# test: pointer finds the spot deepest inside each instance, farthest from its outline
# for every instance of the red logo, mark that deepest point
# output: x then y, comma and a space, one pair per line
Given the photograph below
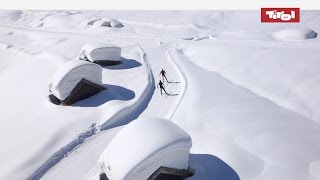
280, 15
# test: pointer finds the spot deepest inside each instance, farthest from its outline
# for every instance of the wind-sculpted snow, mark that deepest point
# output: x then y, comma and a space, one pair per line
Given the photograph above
295, 34
255, 137
245, 35
286, 76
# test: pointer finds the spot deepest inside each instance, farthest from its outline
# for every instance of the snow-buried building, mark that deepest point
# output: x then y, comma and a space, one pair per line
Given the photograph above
147, 148
111, 23
74, 81
102, 54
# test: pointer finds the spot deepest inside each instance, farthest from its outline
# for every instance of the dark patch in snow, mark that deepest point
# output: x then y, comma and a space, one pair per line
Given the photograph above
126, 64
174, 82
92, 22
211, 167
103, 176
54, 99
133, 112
113, 92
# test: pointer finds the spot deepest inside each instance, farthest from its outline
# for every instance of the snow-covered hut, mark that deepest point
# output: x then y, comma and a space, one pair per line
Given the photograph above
111, 23
102, 54
115, 23
76, 80
147, 148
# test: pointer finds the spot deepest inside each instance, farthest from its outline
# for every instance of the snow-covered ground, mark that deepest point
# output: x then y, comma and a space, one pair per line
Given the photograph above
246, 92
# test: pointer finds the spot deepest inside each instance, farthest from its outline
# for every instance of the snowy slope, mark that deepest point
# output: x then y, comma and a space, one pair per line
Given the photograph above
256, 137
246, 95
293, 83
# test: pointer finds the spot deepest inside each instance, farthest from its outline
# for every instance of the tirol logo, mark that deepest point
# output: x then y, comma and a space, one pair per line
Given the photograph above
280, 15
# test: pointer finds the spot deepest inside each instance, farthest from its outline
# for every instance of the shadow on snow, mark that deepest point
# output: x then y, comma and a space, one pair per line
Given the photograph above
173, 82
126, 64
113, 92
211, 167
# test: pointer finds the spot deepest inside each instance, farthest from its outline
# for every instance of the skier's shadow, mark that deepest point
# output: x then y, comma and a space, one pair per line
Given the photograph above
173, 82
173, 94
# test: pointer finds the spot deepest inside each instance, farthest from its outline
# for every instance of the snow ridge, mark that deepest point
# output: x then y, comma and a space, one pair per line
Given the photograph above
132, 112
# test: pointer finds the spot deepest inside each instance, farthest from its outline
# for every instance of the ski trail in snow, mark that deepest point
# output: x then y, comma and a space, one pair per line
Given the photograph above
122, 117
183, 85
149, 98
158, 57
163, 106
63, 152
130, 113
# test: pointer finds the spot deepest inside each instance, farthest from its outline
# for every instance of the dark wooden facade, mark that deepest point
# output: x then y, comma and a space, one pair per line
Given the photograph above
82, 90
165, 173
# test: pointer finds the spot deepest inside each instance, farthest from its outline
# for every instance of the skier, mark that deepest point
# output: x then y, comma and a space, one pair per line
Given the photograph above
163, 73
161, 87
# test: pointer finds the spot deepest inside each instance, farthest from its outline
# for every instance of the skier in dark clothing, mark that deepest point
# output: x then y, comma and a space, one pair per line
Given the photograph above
161, 87
163, 73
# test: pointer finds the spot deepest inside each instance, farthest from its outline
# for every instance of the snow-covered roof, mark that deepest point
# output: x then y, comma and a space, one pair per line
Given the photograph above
70, 74
115, 23
91, 47
101, 23
143, 146
106, 23
101, 51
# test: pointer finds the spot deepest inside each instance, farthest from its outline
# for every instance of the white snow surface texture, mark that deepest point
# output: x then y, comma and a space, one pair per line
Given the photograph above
246, 92
164, 144
102, 52
70, 74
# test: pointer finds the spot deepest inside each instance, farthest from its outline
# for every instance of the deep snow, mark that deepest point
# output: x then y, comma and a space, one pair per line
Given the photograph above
102, 52
69, 74
247, 96
163, 142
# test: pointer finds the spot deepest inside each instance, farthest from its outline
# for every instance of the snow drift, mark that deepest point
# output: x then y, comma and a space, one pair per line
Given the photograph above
245, 35
295, 34
106, 23
143, 146
70, 74
293, 83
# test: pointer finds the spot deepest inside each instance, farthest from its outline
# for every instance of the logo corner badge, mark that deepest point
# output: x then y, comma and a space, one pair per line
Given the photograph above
280, 15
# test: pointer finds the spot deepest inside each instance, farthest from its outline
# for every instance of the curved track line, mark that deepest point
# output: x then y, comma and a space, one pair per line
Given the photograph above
184, 85
120, 118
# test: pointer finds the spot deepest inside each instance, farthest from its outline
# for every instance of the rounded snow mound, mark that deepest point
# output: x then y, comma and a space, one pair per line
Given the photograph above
115, 23
295, 34
100, 51
101, 23
245, 35
143, 146
70, 74
3, 46
106, 23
